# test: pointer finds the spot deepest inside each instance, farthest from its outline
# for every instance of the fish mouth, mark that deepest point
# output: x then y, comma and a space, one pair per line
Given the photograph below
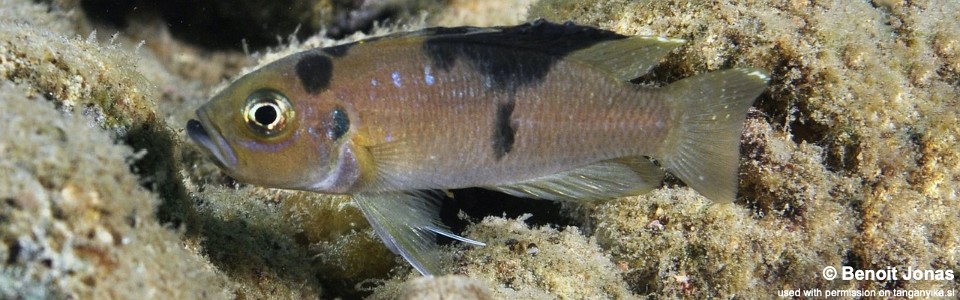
207, 135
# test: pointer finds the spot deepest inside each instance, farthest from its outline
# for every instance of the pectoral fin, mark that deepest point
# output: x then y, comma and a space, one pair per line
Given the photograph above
603, 180
407, 222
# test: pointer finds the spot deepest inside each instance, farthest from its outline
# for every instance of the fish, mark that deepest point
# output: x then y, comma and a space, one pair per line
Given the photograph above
539, 110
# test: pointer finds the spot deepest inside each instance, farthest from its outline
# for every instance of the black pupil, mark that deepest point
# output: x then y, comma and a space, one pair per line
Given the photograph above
266, 115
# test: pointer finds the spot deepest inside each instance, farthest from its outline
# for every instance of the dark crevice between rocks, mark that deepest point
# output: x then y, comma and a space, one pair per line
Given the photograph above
478, 203
257, 24
789, 108
110, 12
803, 129
227, 25
227, 243
840, 148
216, 25
13, 252
842, 157
753, 193
159, 173
662, 74
643, 281
786, 90
764, 203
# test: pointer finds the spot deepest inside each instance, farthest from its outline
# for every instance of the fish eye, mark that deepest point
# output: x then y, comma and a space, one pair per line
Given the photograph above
267, 112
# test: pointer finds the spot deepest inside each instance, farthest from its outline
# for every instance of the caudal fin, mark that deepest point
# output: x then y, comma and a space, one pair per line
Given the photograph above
703, 149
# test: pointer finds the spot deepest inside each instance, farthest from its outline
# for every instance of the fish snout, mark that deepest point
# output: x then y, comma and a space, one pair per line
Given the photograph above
212, 143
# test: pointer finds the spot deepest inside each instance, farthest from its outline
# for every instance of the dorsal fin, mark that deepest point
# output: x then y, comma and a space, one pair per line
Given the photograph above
628, 58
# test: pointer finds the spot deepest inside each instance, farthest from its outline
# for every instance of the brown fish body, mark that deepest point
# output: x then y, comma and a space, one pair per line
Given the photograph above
455, 128
538, 110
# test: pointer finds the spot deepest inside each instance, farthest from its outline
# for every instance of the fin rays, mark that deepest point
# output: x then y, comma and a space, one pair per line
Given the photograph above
628, 58
388, 160
603, 180
704, 151
408, 224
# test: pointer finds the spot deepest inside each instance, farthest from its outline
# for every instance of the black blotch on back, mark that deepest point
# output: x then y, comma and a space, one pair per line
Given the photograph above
339, 50
315, 72
510, 57
451, 30
504, 132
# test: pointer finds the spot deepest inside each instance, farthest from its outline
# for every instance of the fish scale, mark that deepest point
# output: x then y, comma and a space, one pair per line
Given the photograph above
557, 121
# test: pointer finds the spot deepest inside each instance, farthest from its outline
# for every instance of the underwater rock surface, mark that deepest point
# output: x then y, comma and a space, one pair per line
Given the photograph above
75, 222
849, 159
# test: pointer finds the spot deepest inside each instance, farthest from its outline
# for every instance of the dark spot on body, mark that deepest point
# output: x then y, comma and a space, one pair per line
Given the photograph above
511, 57
504, 131
340, 124
314, 71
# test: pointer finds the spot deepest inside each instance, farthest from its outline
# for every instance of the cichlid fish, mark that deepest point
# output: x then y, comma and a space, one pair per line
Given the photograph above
538, 110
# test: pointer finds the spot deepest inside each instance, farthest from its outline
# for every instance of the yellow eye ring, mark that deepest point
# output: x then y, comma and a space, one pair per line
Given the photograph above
267, 112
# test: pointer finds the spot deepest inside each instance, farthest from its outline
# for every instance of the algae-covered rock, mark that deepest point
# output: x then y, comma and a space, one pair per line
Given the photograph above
82, 75
520, 262
74, 221
77, 223
845, 159
288, 244
444, 287
848, 159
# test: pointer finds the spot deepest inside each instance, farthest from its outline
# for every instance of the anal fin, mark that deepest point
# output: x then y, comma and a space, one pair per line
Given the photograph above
407, 223
603, 180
